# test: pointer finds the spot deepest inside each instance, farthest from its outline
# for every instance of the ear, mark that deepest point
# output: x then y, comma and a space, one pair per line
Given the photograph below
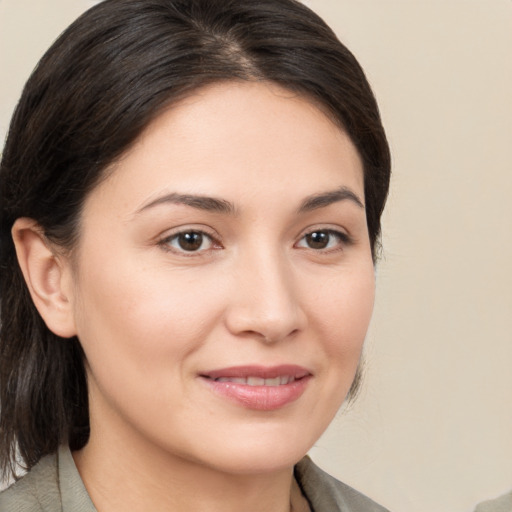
48, 277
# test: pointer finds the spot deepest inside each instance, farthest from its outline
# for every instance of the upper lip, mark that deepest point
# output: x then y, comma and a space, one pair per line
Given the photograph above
263, 372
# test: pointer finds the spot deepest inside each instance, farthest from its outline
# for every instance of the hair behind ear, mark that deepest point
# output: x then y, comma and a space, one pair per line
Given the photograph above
43, 389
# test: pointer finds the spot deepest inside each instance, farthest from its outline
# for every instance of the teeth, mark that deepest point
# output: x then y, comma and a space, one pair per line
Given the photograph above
255, 381
258, 381
235, 380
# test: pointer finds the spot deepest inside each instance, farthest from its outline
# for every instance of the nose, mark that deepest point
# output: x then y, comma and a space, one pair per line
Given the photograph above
265, 303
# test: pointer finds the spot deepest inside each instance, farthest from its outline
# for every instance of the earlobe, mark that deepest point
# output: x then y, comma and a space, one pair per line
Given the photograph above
46, 275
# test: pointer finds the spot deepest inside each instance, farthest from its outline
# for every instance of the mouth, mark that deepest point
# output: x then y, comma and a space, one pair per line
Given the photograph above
258, 381
259, 388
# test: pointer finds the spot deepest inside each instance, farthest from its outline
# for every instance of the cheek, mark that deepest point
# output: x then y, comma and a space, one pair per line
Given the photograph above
141, 335
142, 316
342, 312
339, 316
344, 302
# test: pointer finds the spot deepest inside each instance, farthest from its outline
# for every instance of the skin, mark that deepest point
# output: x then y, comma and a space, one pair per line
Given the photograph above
153, 317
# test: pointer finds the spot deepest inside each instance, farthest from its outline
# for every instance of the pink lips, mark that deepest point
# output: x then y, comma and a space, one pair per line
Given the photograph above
257, 387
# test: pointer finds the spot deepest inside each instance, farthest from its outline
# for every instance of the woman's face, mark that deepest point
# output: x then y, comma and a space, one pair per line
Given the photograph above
223, 281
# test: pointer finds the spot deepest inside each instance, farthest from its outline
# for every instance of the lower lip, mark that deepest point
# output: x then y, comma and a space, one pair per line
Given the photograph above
260, 398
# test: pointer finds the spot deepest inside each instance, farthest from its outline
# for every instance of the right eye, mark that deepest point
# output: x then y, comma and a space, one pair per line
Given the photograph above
190, 241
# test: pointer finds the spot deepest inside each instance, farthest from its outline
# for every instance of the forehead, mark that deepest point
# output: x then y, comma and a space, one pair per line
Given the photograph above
237, 139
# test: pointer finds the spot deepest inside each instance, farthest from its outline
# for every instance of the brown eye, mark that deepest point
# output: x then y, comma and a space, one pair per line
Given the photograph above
189, 241
318, 239
322, 239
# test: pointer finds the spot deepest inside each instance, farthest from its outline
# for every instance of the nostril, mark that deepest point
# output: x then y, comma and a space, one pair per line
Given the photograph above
270, 337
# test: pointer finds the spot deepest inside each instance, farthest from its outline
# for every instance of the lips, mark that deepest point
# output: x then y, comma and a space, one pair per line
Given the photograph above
257, 387
258, 381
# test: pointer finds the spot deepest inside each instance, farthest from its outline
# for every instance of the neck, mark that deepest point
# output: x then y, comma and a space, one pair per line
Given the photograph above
144, 478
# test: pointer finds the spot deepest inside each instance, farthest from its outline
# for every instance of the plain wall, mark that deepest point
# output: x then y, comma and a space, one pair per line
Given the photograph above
432, 429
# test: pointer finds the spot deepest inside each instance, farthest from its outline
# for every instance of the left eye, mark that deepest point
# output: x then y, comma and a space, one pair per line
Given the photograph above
321, 239
189, 241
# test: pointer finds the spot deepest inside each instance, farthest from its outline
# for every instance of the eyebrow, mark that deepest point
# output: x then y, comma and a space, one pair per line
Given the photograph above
210, 204
327, 198
216, 205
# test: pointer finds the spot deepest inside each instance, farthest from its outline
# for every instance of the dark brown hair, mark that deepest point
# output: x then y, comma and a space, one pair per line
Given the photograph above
92, 94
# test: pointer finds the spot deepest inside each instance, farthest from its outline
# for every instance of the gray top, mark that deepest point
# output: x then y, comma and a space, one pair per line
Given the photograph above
54, 485
501, 504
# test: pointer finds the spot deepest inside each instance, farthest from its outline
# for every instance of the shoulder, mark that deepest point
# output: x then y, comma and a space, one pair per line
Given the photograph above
326, 494
37, 491
501, 504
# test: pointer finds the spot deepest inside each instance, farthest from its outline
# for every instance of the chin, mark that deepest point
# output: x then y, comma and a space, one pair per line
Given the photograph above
261, 454
258, 462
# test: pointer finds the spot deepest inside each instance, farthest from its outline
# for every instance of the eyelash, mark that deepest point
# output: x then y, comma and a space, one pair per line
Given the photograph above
343, 240
166, 243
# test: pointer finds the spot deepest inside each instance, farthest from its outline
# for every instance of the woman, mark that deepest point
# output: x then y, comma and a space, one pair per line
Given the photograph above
191, 196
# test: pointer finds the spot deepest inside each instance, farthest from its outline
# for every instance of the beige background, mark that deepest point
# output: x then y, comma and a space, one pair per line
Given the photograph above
432, 430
